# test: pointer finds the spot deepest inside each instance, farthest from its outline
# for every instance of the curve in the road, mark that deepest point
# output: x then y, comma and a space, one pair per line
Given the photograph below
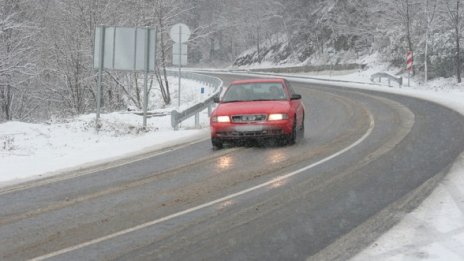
265, 185
242, 203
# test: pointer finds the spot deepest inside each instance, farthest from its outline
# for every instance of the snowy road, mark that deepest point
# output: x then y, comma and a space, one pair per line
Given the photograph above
363, 151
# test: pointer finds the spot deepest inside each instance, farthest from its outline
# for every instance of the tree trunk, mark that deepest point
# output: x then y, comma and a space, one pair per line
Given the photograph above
164, 85
167, 97
6, 97
257, 44
426, 41
425, 56
458, 49
211, 48
408, 30
9, 103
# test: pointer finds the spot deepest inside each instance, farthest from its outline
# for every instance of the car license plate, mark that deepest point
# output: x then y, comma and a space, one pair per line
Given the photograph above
246, 128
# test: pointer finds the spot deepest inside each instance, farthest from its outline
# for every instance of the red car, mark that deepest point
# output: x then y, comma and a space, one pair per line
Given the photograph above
257, 109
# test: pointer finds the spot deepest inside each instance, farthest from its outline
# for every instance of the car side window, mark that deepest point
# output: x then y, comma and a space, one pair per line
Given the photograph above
290, 88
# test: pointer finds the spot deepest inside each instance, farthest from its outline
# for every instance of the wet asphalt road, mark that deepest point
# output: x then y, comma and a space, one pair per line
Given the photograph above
165, 206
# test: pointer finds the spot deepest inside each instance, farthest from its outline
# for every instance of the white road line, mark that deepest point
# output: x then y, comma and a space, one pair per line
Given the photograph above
211, 203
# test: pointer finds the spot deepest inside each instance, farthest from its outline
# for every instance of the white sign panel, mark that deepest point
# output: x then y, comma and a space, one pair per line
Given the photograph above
179, 48
179, 54
124, 48
179, 59
180, 33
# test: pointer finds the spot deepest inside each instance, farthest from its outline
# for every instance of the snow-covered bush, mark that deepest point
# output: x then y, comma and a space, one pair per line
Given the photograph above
6, 143
442, 59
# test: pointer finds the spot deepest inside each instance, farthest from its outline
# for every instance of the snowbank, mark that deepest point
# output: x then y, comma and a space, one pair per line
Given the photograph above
30, 151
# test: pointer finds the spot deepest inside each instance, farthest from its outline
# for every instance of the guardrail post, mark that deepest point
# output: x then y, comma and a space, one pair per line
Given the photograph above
389, 78
197, 120
174, 122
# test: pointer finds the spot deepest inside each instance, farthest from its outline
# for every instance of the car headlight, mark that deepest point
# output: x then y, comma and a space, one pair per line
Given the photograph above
221, 119
278, 116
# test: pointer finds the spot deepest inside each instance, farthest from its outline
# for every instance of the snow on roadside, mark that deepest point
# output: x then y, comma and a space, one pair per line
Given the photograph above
435, 230
29, 151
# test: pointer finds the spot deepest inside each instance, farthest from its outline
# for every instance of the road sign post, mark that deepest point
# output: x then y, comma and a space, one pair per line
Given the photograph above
180, 33
180, 64
100, 76
409, 65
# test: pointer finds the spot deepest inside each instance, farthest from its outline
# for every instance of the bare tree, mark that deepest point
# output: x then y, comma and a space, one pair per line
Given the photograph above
46, 46
16, 57
161, 17
67, 52
399, 17
68, 40
163, 14
429, 16
453, 13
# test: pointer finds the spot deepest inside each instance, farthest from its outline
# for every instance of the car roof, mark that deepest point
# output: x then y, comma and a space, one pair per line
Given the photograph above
259, 80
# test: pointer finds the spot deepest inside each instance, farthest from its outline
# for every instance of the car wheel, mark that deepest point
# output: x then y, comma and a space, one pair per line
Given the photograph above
292, 137
302, 128
217, 143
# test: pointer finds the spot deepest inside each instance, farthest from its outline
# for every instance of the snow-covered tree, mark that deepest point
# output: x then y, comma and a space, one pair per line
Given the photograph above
17, 59
452, 10
429, 14
46, 47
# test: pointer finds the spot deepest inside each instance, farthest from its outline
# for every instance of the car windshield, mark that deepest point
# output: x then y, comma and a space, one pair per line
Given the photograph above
255, 92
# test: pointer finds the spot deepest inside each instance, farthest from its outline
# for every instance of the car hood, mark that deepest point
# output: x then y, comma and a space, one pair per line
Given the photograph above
253, 107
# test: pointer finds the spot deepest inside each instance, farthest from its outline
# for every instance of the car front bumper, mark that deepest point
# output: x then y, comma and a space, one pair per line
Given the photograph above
232, 131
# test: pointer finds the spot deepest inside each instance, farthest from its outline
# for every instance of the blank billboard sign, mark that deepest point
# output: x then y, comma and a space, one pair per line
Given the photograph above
125, 48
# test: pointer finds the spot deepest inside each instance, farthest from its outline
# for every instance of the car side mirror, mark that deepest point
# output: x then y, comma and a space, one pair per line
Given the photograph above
296, 97
216, 99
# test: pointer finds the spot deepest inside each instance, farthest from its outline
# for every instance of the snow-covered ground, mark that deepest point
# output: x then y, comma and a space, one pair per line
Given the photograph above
434, 231
30, 151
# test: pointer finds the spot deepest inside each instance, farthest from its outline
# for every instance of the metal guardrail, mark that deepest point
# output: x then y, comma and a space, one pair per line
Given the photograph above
313, 68
209, 81
389, 77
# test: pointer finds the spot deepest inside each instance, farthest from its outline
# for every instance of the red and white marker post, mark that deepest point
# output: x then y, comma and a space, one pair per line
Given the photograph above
409, 64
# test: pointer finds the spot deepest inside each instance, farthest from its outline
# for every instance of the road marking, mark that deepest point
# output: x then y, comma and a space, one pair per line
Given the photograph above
214, 202
112, 190
91, 169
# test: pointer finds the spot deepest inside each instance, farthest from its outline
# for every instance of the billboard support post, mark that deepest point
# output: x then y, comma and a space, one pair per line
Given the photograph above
145, 82
100, 76
180, 63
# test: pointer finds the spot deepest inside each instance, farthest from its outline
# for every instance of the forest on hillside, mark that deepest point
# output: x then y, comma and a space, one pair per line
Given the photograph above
46, 46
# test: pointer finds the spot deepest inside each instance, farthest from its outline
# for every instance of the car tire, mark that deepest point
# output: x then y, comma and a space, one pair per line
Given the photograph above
292, 136
217, 143
302, 128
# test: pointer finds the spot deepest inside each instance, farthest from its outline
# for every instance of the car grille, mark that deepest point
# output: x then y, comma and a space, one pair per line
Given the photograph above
238, 134
248, 118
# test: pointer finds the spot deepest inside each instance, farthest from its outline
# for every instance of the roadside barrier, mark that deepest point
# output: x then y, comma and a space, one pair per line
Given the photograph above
389, 77
208, 81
